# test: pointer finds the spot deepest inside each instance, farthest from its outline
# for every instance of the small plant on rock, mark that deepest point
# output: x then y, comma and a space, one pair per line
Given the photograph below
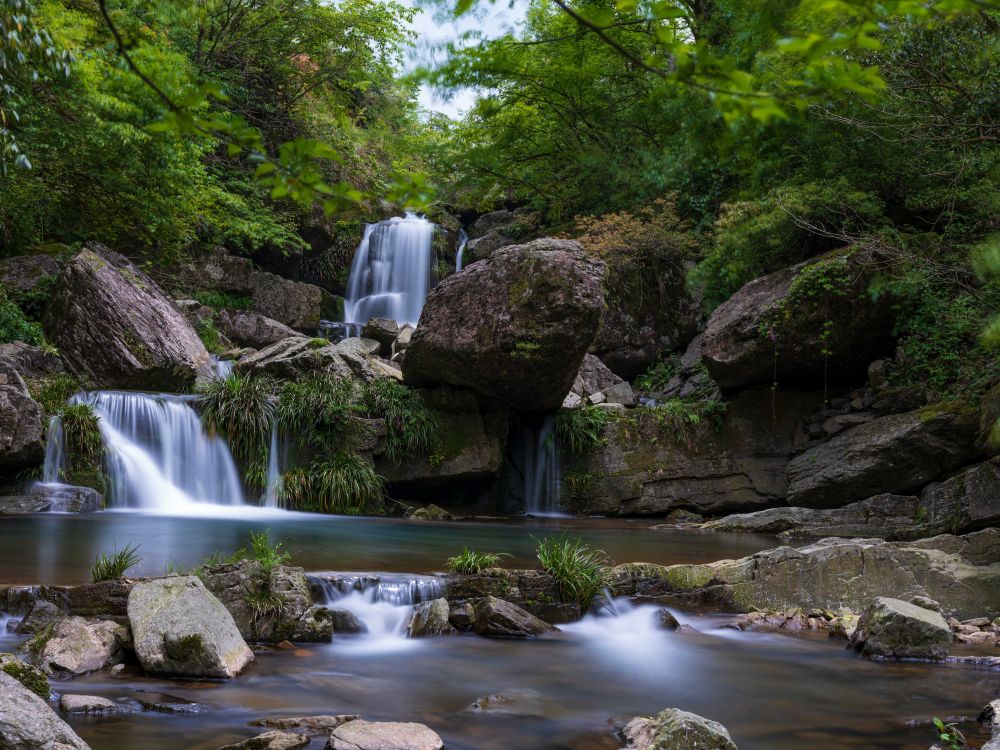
579, 571
240, 408
270, 556
410, 426
344, 483
109, 567
471, 561
316, 408
948, 735
581, 430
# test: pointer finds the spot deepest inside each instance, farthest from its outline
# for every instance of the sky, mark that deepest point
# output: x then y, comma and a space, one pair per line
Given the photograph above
493, 19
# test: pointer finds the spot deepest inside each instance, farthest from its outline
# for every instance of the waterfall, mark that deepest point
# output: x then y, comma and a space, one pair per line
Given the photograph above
391, 273
54, 468
463, 240
541, 469
273, 470
159, 455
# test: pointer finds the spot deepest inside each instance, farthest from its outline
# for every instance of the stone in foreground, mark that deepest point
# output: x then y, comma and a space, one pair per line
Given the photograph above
430, 619
78, 646
27, 722
497, 618
88, 704
181, 630
673, 729
894, 629
271, 741
383, 735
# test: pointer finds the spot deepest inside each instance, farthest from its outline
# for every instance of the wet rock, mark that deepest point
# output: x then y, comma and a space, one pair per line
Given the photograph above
77, 646
27, 722
309, 724
843, 626
345, 621
291, 358
180, 629
673, 728
738, 351
32, 362
431, 512
497, 618
516, 702
271, 741
43, 615
167, 704
383, 735
892, 454
460, 616
514, 327
31, 677
68, 498
384, 331
113, 325
20, 422
89, 704
532, 590
594, 377
251, 329
890, 628
665, 619
15, 504
315, 625
430, 619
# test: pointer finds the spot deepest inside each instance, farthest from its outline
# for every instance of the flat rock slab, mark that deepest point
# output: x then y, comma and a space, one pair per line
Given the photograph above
271, 741
89, 704
384, 735
309, 724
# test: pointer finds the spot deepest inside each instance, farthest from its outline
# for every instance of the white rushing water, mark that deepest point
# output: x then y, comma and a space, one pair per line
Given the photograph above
463, 240
273, 481
542, 477
392, 271
159, 455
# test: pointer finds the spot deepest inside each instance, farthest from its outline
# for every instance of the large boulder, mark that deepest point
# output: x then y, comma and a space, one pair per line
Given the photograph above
293, 357
113, 325
383, 735
27, 722
495, 230
895, 453
967, 501
892, 628
430, 619
514, 327
24, 273
595, 383
251, 329
32, 362
181, 630
497, 618
673, 728
21, 422
532, 590
801, 324
77, 646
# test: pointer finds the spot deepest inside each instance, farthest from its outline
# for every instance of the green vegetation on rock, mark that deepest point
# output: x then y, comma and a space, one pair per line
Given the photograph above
470, 561
580, 572
108, 567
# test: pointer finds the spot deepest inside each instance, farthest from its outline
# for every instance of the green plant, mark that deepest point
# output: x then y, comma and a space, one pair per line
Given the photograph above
33, 679
265, 605
109, 567
219, 300
38, 642
471, 561
344, 483
14, 326
580, 430
579, 571
241, 408
209, 335
411, 428
84, 447
948, 735
317, 409
260, 549
658, 374
52, 393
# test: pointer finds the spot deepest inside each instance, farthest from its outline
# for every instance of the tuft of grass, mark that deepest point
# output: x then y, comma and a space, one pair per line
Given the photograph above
580, 430
82, 433
109, 567
270, 556
471, 561
209, 335
53, 392
344, 483
317, 408
411, 429
659, 374
241, 408
580, 572
216, 299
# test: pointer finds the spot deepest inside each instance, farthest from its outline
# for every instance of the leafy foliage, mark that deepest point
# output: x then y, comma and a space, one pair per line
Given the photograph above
580, 430
658, 375
470, 561
14, 326
410, 426
948, 735
240, 408
219, 300
261, 550
108, 567
316, 409
580, 572
343, 483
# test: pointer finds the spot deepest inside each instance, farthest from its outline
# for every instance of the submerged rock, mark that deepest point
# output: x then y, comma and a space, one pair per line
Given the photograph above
516, 702
890, 628
345, 621
113, 325
271, 741
383, 735
430, 619
497, 618
180, 629
27, 722
673, 728
514, 327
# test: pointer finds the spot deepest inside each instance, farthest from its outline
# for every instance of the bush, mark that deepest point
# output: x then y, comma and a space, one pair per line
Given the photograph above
270, 556
410, 426
344, 483
240, 407
470, 561
317, 409
53, 393
209, 335
108, 567
579, 571
84, 447
581, 430
14, 326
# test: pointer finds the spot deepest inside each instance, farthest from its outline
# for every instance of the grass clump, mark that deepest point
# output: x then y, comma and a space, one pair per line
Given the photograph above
241, 408
218, 300
344, 483
209, 335
52, 393
317, 409
580, 572
110, 567
84, 447
580, 430
411, 428
260, 549
471, 561
659, 374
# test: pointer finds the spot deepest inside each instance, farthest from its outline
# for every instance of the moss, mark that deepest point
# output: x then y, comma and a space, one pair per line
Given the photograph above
27, 675
932, 411
190, 646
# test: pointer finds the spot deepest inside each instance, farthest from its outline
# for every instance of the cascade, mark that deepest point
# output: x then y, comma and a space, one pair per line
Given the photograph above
273, 481
541, 469
463, 240
392, 271
158, 454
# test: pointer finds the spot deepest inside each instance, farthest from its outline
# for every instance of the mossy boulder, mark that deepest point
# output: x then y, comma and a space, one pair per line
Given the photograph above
21, 421
31, 677
27, 721
76, 646
673, 728
891, 628
430, 619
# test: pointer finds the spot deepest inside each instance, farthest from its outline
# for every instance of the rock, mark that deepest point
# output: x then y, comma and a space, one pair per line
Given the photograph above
497, 618
271, 741
495, 230
24, 273
460, 616
892, 454
88, 704
665, 619
68, 498
960, 572
402, 342
509, 703
843, 626
314, 626
345, 621
990, 715
104, 600
78, 646
13, 504
293, 357
531, 590
514, 327
31, 677
251, 329
966, 501
27, 722
430, 619
890, 628
167, 704
42, 616
113, 325
21, 422
673, 728
383, 735
384, 331
431, 512
593, 377
293, 303
180, 629
309, 724
795, 304
32, 362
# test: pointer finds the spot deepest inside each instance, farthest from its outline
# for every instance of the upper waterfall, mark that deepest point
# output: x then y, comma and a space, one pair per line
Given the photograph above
392, 271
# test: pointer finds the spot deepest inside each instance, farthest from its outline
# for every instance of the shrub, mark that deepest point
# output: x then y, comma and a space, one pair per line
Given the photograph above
209, 335
344, 483
470, 561
317, 409
410, 426
579, 571
84, 447
580, 430
53, 393
14, 326
240, 407
659, 374
270, 556
108, 567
